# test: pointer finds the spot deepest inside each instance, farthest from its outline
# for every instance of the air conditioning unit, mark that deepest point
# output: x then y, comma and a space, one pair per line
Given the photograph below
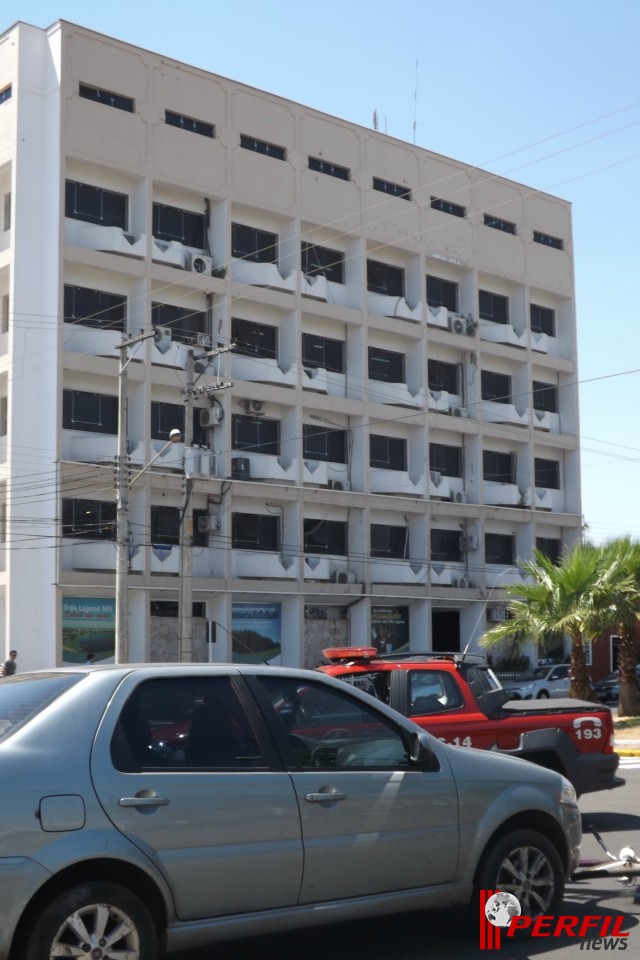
457, 325
209, 524
342, 576
199, 263
436, 478
458, 412
469, 542
203, 339
497, 614
209, 417
459, 496
339, 485
462, 582
252, 406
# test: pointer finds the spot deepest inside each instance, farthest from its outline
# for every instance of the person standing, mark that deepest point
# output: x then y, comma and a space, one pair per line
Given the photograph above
10, 664
91, 658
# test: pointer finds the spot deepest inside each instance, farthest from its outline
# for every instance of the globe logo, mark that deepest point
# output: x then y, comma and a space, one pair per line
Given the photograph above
500, 908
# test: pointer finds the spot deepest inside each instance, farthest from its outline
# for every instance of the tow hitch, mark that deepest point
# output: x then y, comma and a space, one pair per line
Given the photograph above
625, 867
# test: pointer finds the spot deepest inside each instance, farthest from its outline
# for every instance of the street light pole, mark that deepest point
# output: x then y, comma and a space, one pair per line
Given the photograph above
185, 643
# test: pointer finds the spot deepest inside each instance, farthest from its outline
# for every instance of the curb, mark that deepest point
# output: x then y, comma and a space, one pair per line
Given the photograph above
628, 752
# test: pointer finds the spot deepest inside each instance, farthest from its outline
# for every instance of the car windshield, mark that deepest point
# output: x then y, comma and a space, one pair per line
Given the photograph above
539, 673
22, 697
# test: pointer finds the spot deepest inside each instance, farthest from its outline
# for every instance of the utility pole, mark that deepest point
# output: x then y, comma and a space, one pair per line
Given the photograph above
186, 525
123, 484
191, 390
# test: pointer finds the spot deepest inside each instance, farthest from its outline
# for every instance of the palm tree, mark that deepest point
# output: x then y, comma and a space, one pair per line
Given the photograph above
565, 599
623, 555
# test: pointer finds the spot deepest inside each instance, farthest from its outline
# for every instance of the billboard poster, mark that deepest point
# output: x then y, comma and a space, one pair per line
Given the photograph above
390, 629
88, 626
256, 631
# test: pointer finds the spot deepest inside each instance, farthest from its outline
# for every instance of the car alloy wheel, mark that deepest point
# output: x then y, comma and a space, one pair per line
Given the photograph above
526, 864
102, 921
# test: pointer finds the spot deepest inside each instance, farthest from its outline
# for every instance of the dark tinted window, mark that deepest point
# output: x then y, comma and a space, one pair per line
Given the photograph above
253, 339
325, 536
442, 293
89, 519
445, 546
187, 326
258, 246
387, 453
499, 548
92, 412
95, 205
393, 189
189, 124
386, 365
322, 352
543, 319
445, 459
388, 541
263, 147
255, 531
498, 467
547, 473
499, 224
173, 223
443, 376
496, 386
106, 97
94, 308
322, 261
385, 278
446, 206
256, 434
545, 396
330, 169
547, 240
323, 443
493, 306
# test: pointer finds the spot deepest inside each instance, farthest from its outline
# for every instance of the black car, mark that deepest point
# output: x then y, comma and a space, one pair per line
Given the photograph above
608, 689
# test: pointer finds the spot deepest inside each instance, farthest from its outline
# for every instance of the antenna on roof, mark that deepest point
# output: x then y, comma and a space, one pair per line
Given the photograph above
375, 119
415, 103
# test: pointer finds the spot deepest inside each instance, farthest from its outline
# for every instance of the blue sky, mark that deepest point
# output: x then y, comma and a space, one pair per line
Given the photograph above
546, 92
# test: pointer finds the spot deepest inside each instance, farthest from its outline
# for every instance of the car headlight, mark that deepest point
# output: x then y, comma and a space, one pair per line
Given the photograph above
567, 792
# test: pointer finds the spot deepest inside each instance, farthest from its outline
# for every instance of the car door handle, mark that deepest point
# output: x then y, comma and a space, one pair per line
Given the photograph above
143, 801
328, 797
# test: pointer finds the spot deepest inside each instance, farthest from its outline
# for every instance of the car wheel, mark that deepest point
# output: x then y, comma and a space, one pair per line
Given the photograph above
526, 864
95, 919
543, 695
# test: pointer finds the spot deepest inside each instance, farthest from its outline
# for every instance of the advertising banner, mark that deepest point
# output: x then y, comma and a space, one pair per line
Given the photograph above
390, 629
256, 631
88, 626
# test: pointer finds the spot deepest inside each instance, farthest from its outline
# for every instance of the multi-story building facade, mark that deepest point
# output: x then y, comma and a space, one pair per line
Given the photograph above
401, 426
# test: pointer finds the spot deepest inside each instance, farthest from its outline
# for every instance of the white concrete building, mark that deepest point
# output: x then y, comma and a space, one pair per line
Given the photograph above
403, 421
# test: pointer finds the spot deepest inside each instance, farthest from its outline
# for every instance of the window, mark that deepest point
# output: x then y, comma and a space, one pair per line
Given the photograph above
189, 124
307, 712
165, 525
442, 293
322, 353
445, 206
89, 519
94, 308
5, 94
443, 376
497, 224
256, 434
432, 692
545, 397
166, 417
323, 443
394, 189
493, 307
499, 548
187, 326
547, 473
93, 412
498, 467
331, 169
174, 223
386, 365
389, 542
4, 416
258, 246
325, 536
254, 531
383, 278
551, 547
106, 97
547, 240
95, 205
184, 723
4, 324
445, 546
496, 386
543, 319
7, 212
322, 261
387, 453
445, 459
254, 339
261, 146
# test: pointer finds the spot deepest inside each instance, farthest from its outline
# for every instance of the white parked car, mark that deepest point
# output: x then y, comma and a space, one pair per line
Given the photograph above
541, 683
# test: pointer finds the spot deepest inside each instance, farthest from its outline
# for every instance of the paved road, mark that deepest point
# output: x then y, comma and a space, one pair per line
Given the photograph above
615, 815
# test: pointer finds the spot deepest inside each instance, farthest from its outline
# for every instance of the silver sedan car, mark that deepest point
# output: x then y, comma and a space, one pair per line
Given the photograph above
167, 805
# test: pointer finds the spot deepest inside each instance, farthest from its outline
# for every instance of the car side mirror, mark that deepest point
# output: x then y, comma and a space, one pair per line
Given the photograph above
421, 754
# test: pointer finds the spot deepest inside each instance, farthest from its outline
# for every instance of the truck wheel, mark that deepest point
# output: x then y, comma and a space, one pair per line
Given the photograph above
526, 864
95, 919
543, 695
